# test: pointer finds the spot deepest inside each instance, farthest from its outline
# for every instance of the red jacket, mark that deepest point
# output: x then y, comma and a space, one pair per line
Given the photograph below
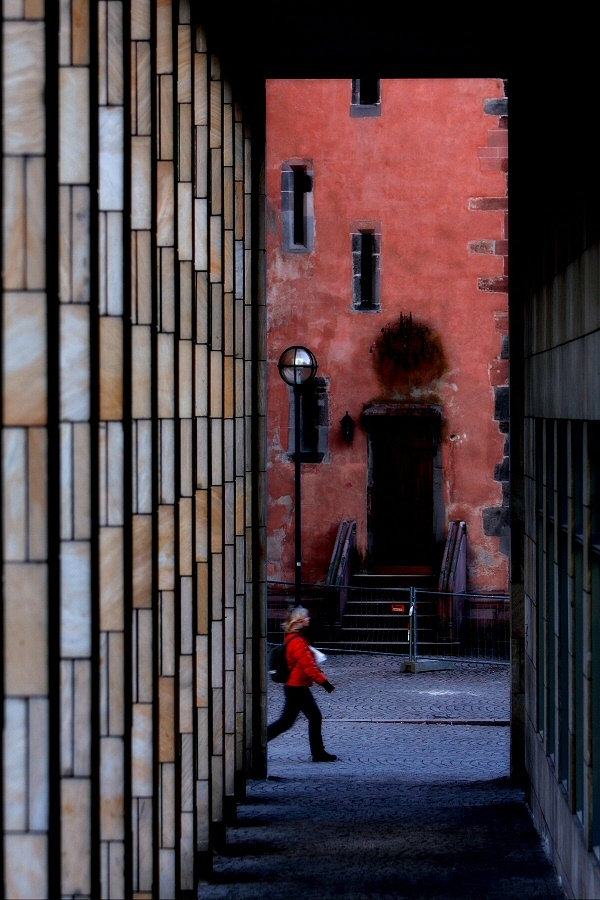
303, 668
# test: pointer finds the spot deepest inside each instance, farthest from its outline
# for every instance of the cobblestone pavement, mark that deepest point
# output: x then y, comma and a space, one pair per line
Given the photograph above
418, 805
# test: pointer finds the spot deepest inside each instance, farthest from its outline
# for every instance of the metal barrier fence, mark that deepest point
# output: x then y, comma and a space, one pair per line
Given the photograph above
406, 621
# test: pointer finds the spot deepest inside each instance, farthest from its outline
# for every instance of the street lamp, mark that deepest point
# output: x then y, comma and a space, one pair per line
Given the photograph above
297, 366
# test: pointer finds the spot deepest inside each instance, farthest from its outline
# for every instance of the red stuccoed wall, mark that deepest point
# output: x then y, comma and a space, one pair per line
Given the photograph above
432, 170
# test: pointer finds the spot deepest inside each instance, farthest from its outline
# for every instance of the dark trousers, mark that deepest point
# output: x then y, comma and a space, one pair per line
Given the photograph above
297, 700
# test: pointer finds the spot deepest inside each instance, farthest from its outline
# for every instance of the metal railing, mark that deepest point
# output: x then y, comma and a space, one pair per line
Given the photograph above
408, 621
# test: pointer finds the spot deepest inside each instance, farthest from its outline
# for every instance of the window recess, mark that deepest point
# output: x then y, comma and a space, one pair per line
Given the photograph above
366, 253
366, 98
297, 206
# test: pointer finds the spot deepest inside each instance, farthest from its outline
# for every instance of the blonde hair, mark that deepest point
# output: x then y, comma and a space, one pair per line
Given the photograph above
294, 620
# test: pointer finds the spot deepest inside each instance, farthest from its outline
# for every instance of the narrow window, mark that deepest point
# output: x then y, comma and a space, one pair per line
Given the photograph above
365, 270
369, 91
297, 207
366, 98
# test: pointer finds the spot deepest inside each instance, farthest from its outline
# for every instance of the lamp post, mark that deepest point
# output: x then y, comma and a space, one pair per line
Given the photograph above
297, 366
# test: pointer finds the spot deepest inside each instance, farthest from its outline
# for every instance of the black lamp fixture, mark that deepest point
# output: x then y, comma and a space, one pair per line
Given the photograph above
297, 366
347, 424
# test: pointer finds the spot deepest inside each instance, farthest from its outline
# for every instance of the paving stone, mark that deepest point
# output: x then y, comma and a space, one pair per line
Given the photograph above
419, 804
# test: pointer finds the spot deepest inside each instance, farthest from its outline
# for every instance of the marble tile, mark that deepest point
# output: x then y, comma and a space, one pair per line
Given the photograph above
75, 613
184, 64
202, 598
81, 482
166, 375
74, 363
111, 579
80, 249
166, 711
144, 647
80, 28
142, 285
26, 865
164, 33
14, 244
200, 89
166, 868
167, 633
25, 359
26, 620
141, 746
186, 698
187, 772
185, 221
38, 770
34, 9
228, 199
143, 96
201, 230
15, 754
166, 297
145, 838
114, 263
116, 882
216, 112
167, 806
115, 473
216, 181
216, 391
141, 20
74, 164
111, 158
185, 379
185, 536
200, 387
217, 788
142, 561
216, 248
166, 548
201, 526
187, 617
115, 52
165, 114
66, 717
24, 114
140, 367
186, 851
167, 461
111, 788
13, 9
75, 802
202, 679
116, 698
165, 176
111, 368
201, 171
202, 816
14, 495
186, 430
186, 299
142, 466
35, 231
141, 187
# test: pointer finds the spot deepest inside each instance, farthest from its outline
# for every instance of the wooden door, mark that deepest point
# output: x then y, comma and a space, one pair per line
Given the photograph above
401, 492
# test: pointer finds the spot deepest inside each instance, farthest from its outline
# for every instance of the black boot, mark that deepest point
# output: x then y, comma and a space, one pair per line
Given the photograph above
324, 757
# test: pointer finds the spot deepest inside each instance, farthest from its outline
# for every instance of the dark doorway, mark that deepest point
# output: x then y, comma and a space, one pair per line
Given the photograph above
402, 501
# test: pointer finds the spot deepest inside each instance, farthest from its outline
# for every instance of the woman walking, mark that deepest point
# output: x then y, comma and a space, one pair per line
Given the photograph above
304, 671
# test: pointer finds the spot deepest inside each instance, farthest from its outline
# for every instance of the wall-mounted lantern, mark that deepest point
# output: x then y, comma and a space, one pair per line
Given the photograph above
347, 424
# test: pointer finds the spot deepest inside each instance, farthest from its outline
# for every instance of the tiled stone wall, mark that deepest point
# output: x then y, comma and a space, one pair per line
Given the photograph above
132, 449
